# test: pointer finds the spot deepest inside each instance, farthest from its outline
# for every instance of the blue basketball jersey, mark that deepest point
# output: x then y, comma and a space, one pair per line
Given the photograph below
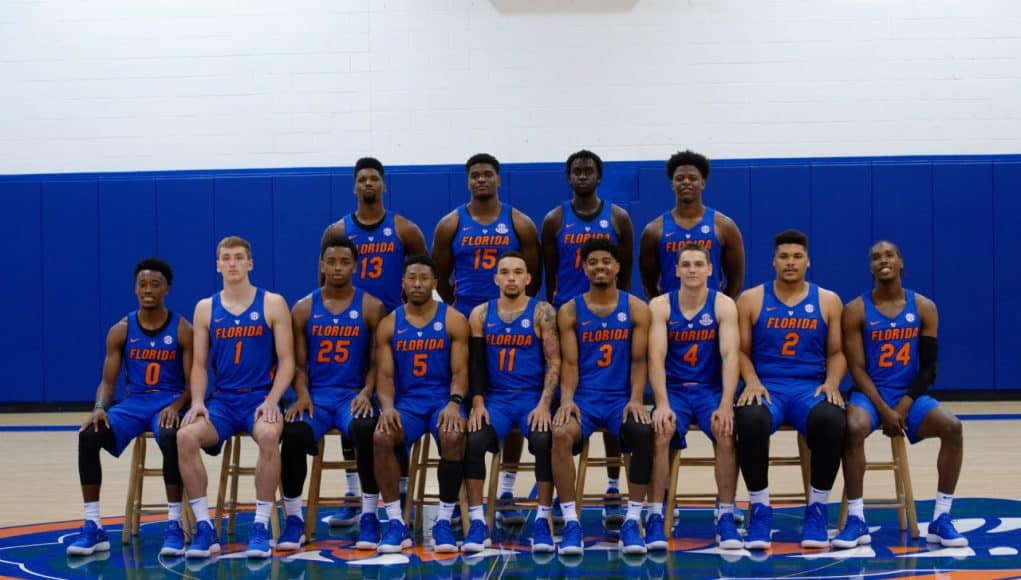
476, 248
789, 342
693, 345
152, 359
380, 258
514, 354
574, 232
604, 347
241, 347
338, 344
674, 236
421, 357
891, 344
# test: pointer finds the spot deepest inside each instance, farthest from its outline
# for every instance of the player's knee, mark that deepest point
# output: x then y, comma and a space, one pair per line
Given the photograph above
637, 434
166, 438
563, 437
753, 421
362, 430
383, 442
476, 445
661, 439
267, 437
859, 426
826, 424
452, 445
89, 439
540, 442
188, 439
296, 436
953, 432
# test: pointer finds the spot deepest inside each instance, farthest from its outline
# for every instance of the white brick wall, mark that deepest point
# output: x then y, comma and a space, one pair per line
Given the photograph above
105, 85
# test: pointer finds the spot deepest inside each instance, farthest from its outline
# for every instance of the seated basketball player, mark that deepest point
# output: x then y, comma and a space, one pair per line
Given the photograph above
890, 344
603, 335
242, 334
792, 364
515, 368
334, 382
422, 378
155, 346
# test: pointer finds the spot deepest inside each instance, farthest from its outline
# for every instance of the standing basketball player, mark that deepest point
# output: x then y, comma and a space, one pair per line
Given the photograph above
792, 364
334, 383
422, 378
243, 335
690, 221
514, 357
603, 339
564, 230
890, 344
694, 367
155, 346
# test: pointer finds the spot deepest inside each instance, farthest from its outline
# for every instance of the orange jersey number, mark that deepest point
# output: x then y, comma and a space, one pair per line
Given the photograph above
486, 257
152, 373
691, 356
372, 267
886, 354
237, 352
790, 340
419, 364
339, 350
506, 362
607, 351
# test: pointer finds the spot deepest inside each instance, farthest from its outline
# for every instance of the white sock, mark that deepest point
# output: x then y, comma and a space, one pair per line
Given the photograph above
656, 509
476, 512
393, 510
173, 511
445, 512
262, 509
570, 514
507, 479
818, 496
543, 512
402, 485
724, 508
634, 510
370, 503
943, 502
761, 496
200, 507
856, 507
353, 484
292, 506
612, 483
92, 513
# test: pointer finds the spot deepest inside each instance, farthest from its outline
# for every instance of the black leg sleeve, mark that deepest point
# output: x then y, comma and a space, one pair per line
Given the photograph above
451, 474
347, 447
752, 424
297, 440
167, 439
476, 446
361, 437
825, 437
90, 471
638, 436
540, 444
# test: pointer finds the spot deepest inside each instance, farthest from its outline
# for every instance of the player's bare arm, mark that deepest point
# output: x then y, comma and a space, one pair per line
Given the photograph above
200, 361
115, 339
299, 320
730, 353
639, 356
551, 225
278, 317
732, 254
170, 416
374, 310
529, 238
567, 320
663, 417
389, 418
929, 325
648, 257
748, 306
836, 364
457, 331
852, 325
546, 321
443, 255
626, 245
410, 235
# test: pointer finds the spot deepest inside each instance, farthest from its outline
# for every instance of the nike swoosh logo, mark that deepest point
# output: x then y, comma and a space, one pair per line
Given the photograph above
217, 320
492, 324
402, 330
586, 322
873, 323
569, 226
770, 308
667, 235
318, 315
134, 340
466, 228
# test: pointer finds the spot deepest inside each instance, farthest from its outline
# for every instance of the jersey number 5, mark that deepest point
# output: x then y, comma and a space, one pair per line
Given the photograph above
419, 366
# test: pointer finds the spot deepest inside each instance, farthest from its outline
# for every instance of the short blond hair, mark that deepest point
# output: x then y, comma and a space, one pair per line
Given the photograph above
693, 247
234, 242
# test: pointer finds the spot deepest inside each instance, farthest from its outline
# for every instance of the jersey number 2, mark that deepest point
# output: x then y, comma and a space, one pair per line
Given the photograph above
790, 340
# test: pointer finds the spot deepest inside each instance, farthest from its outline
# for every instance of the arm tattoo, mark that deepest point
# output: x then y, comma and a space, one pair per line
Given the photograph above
551, 350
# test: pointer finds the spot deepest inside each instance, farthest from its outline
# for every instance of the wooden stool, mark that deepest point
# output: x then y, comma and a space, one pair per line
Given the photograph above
134, 508
495, 467
584, 464
417, 498
802, 459
315, 483
904, 503
230, 470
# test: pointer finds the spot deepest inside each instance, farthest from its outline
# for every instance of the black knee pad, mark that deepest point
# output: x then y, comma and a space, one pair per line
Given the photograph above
826, 425
638, 436
540, 444
476, 445
167, 440
362, 430
752, 422
297, 437
90, 441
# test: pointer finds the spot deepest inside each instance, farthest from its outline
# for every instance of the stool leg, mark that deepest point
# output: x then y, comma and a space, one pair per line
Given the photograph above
187, 517
314, 486
423, 470
409, 497
494, 479
232, 500
463, 500
136, 516
129, 507
842, 518
909, 492
579, 485
806, 465
221, 494
898, 485
671, 491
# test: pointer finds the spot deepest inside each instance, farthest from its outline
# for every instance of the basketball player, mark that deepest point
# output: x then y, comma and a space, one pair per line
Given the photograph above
603, 336
564, 230
334, 382
690, 221
155, 346
792, 364
890, 344
422, 378
694, 367
514, 355
242, 334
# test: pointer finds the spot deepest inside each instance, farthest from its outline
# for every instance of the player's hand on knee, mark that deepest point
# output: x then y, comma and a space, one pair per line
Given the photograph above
389, 421
753, 394
722, 420
268, 412
539, 419
197, 411
299, 408
361, 407
479, 417
98, 417
170, 416
450, 419
891, 422
832, 394
663, 419
565, 412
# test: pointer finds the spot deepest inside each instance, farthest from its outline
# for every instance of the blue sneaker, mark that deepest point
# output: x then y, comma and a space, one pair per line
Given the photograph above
258, 542
655, 535
204, 543
347, 516
443, 537
854, 534
572, 542
293, 536
557, 515
395, 538
942, 531
368, 532
813, 527
760, 527
513, 517
91, 539
631, 541
727, 536
613, 513
173, 540
542, 538
477, 538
